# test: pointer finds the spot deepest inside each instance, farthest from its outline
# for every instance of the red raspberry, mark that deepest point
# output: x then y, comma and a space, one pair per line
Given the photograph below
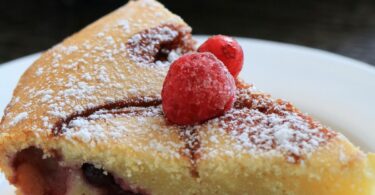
227, 50
198, 87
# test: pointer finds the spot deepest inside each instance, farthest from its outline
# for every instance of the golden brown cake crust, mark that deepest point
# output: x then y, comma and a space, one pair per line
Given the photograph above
59, 82
95, 67
95, 98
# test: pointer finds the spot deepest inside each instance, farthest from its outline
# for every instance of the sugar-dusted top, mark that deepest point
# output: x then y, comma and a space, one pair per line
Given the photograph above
255, 125
99, 87
103, 64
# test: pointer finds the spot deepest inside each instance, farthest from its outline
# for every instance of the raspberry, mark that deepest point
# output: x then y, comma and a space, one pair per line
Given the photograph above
227, 50
198, 87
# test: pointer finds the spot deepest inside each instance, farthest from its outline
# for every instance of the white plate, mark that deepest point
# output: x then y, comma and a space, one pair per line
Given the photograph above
337, 90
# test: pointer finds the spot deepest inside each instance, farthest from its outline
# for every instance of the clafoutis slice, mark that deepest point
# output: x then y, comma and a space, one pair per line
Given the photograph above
86, 118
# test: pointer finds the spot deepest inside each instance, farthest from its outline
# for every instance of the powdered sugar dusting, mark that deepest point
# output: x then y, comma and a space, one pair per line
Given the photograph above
93, 68
128, 126
260, 124
39, 72
257, 124
172, 56
124, 25
78, 76
343, 158
18, 118
159, 46
69, 49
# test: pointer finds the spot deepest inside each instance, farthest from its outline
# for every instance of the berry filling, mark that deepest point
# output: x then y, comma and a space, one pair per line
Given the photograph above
101, 179
37, 174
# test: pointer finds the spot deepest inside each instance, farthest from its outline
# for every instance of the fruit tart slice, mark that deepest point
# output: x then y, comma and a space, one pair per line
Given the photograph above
87, 118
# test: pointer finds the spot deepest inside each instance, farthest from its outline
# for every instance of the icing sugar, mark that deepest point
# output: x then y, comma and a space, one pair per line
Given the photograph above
256, 124
18, 118
247, 129
145, 47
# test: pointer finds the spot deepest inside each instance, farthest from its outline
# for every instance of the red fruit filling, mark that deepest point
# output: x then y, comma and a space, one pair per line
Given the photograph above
227, 50
35, 174
100, 179
198, 87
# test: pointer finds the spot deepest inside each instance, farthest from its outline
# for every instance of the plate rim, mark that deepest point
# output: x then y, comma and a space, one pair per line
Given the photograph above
348, 61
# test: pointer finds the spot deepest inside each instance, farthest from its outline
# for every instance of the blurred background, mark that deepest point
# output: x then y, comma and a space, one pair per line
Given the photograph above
345, 27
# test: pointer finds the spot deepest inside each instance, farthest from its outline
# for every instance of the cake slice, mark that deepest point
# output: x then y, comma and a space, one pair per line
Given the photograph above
86, 118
